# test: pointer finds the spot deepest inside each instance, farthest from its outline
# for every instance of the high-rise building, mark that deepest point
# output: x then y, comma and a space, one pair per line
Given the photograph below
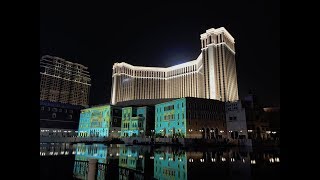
63, 81
212, 75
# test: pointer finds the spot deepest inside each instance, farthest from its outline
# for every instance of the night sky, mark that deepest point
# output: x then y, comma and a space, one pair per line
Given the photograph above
99, 34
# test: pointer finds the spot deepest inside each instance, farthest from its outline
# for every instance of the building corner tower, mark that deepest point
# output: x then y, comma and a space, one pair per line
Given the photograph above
219, 66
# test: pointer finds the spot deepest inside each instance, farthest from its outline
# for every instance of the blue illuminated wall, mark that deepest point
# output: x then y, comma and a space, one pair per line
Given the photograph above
98, 121
170, 166
170, 118
137, 121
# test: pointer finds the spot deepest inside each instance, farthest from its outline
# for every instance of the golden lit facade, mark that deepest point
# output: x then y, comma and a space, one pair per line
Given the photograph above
63, 81
212, 75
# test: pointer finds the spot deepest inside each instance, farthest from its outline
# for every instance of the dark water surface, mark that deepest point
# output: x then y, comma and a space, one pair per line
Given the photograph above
66, 161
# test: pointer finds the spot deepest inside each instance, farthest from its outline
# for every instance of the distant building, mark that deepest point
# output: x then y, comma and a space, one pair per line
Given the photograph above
272, 115
63, 81
247, 119
191, 118
137, 121
211, 75
59, 119
100, 121
236, 120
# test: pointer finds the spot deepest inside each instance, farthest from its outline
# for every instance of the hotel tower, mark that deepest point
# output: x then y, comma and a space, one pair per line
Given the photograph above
212, 75
63, 81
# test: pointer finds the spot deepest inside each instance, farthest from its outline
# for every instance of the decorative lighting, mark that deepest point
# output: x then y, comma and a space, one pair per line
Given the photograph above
161, 158
249, 130
243, 161
268, 132
117, 154
190, 160
221, 131
271, 160
230, 131
213, 159
232, 159
273, 132
223, 159
241, 131
277, 159
140, 156
151, 157
201, 160
253, 161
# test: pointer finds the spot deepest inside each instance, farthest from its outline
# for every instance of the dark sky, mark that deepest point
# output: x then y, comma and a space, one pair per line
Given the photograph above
99, 34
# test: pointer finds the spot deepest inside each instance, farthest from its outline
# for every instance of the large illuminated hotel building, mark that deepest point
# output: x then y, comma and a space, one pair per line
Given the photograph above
212, 75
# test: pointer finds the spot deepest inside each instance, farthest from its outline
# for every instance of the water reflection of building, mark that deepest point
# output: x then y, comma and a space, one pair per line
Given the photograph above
218, 164
170, 165
135, 162
107, 158
56, 149
235, 163
84, 153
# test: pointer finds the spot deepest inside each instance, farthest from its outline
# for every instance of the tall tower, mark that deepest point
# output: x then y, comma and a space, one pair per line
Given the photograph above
63, 81
218, 56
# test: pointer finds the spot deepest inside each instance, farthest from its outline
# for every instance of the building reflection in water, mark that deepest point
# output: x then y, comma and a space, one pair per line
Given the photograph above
170, 164
104, 155
135, 162
146, 162
56, 149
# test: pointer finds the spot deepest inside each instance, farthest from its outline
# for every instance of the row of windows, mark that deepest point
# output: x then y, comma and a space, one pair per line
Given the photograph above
210, 39
169, 117
159, 124
168, 108
56, 109
134, 124
232, 118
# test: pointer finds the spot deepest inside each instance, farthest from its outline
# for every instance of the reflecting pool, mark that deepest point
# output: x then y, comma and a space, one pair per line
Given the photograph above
115, 161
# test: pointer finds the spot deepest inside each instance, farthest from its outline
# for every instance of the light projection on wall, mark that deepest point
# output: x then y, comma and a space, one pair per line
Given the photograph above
133, 121
95, 122
170, 118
